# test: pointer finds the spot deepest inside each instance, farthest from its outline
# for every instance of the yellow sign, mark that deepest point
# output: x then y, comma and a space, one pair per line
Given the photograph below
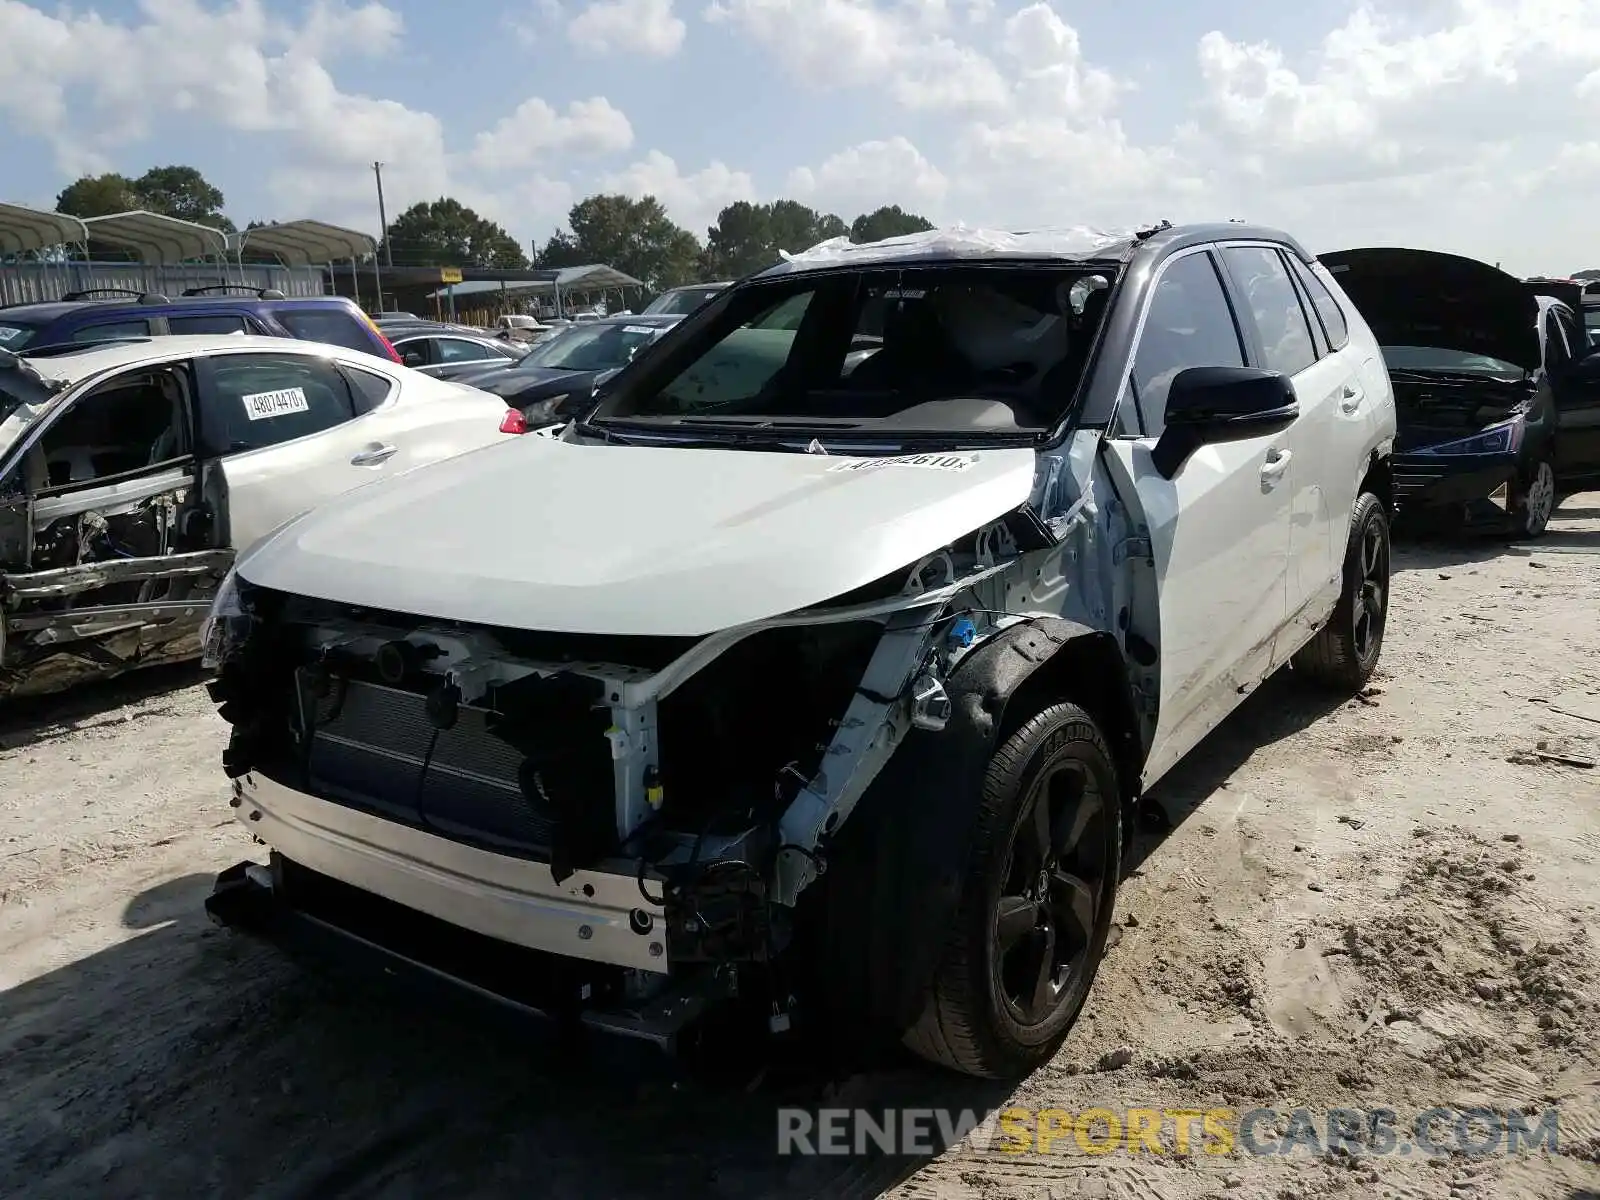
449, 274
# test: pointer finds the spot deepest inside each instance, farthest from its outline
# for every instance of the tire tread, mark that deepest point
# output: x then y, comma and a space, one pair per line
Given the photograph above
949, 1030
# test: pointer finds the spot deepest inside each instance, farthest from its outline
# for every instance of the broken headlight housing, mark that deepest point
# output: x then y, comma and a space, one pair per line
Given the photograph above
543, 412
225, 625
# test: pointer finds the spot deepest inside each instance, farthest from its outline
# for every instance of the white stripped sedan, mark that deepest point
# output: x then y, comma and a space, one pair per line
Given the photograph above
132, 471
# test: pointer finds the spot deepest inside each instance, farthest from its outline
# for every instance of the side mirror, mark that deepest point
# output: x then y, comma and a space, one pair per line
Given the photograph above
1221, 404
412, 358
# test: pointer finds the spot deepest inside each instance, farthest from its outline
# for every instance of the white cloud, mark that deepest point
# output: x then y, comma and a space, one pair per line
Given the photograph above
867, 176
647, 27
1461, 123
536, 131
693, 201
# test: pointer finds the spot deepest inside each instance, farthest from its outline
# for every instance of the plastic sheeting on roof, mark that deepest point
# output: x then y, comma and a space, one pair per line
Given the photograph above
157, 239
23, 229
958, 241
592, 277
305, 243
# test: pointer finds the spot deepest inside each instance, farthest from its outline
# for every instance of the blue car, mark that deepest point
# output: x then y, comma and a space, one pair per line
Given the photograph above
111, 314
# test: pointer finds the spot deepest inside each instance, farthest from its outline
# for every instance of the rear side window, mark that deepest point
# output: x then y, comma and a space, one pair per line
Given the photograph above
326, 325
1270, 295
1190, 324
1333, 322
112, 329
368, 387
251, 401
452, 350
220, 323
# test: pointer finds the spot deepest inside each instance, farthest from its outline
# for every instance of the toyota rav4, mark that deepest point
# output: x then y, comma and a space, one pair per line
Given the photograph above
819, 671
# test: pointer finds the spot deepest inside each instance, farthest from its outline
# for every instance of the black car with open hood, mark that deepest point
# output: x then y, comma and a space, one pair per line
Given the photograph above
1492, 387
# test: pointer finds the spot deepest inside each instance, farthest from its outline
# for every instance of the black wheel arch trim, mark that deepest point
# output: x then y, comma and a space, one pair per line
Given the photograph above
900, 862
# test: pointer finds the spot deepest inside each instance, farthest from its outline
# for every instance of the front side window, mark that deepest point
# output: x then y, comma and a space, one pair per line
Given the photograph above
1190, 324
112, 329
973, 349
128, 424
252, 401
1270, 295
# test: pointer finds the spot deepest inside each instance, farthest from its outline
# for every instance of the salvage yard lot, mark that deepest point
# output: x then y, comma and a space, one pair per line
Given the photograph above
1389, 901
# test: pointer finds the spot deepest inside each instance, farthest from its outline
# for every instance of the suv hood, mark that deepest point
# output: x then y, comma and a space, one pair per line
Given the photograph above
1425, 298
543, 534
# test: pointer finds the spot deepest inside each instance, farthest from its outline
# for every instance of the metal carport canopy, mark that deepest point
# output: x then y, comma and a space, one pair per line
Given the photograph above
23, 229
595, 276
305, 243
157, 239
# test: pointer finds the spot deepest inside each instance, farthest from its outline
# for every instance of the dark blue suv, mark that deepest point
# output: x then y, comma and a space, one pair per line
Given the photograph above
105, 314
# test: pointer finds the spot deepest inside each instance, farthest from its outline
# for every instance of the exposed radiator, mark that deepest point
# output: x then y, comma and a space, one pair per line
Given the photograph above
368, 749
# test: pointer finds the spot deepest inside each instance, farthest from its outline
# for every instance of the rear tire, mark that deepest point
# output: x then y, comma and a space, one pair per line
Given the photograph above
1345, 651
1036, 903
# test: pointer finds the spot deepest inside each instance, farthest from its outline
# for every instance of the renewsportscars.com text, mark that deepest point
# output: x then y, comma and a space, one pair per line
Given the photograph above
1179, 1131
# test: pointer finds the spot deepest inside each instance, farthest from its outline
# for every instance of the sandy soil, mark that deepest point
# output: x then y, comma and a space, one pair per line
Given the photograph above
1387, 902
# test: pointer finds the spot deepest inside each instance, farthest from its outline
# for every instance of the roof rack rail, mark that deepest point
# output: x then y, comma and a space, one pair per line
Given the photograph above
106, 293
243, 289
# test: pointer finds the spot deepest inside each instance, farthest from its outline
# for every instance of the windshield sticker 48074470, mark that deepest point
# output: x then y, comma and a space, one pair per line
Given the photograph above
931, 462
259, 406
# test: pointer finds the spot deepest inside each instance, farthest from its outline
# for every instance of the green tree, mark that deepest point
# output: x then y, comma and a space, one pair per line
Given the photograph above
444, 232
184, 193
748, 237
173, 191
97, 196
634, 236
562, 250
889, 221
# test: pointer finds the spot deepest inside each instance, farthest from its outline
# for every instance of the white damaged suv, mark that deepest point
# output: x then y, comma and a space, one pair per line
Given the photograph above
819, 667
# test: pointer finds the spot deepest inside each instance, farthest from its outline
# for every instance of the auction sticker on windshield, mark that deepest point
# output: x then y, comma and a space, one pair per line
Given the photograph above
929, 462
258, 406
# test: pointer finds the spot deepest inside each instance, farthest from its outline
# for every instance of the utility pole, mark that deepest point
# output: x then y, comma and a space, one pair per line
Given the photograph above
383, 217
383, 227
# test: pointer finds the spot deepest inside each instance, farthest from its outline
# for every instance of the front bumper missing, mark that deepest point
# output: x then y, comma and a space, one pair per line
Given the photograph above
599, 916
378, 943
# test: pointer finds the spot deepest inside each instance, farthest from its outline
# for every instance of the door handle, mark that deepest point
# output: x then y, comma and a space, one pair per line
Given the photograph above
1277, 463
1351, 399
372, 456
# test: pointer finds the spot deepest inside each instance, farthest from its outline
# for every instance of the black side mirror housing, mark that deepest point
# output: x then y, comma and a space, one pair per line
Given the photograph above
1221, 404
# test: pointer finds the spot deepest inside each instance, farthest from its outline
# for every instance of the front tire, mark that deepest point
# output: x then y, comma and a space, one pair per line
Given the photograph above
1036, 903
1535, 500
1345, 651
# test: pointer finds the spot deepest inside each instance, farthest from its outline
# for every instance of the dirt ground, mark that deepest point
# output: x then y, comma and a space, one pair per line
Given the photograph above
1388, 902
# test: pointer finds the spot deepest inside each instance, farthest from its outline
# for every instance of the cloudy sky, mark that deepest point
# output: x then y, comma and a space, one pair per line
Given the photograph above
1455, 124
